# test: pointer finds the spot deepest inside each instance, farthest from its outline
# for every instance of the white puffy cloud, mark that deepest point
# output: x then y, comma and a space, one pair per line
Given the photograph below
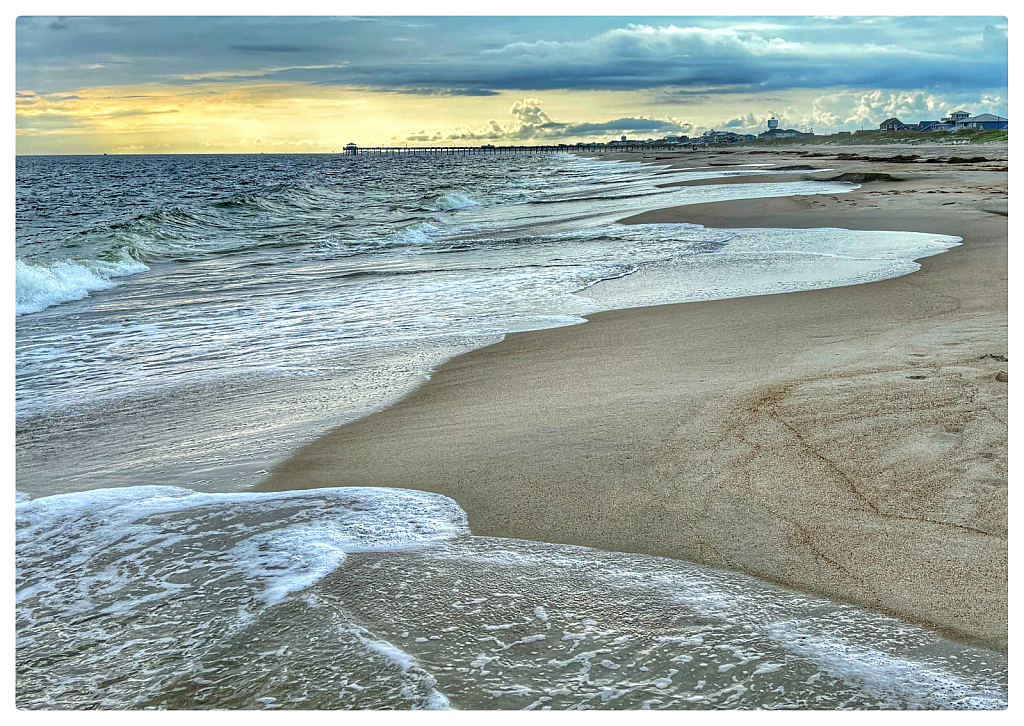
531, 122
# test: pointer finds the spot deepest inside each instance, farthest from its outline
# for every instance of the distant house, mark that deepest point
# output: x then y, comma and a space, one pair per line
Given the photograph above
748, 137
777, 133
960, 120
985, 121
950, 122
719, 137
892, 124
926, 125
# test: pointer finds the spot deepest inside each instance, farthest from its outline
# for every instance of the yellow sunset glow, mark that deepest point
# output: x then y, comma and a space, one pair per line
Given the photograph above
215, 117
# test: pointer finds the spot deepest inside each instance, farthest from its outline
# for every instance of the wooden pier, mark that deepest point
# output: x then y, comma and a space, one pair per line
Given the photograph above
353, 149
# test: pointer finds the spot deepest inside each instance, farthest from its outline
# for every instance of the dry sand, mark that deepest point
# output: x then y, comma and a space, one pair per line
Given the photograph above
850, 442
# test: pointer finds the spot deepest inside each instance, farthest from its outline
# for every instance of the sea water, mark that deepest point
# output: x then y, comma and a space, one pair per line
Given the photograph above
184, 322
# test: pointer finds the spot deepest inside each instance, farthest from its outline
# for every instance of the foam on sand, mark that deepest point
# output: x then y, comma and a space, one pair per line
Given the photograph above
380, 598
126, 571
284, 541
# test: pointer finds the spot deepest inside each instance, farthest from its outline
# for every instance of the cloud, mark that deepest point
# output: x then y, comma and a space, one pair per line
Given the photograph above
716, 55
629, 125
439, 91
272, 48
994, 41
531, 123
423, 136
742, 122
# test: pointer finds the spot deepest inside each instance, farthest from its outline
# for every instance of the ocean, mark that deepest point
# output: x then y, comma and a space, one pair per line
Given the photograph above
184, 322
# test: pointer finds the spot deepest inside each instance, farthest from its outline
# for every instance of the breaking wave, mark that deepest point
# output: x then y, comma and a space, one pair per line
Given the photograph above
39, 286
450, 201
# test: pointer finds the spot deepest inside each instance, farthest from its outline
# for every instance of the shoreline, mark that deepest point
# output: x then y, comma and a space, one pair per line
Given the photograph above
849, 441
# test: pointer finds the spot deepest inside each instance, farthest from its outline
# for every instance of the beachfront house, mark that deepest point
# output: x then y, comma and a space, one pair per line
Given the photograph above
961, 120
950, 122
954, 121
892, 124
719, 137
985, 121
777, 133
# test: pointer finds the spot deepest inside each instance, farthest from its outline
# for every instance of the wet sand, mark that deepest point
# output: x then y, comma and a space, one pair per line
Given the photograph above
850, 442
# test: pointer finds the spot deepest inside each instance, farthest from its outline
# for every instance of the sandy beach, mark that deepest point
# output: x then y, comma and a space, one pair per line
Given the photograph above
848, 442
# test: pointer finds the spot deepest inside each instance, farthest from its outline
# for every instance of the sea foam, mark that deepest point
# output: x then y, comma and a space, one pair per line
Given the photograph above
38, 286
248, 587
450, 201
74, 550
111, 578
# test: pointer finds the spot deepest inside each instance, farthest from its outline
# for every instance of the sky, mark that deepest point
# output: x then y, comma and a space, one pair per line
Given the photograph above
87, 85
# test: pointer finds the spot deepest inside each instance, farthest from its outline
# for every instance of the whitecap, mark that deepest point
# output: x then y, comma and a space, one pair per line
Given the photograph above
39, 286
450, 201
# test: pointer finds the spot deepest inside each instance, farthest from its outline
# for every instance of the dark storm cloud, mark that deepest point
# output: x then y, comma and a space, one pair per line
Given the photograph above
622, 125
481, 55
